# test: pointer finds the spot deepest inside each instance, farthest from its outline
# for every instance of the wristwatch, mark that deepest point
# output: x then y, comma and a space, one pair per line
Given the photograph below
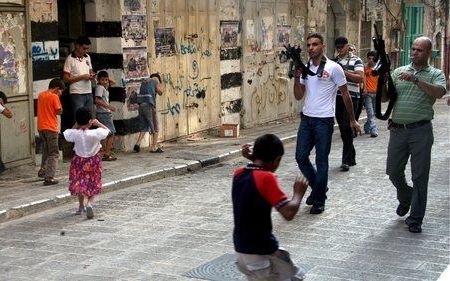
415, 79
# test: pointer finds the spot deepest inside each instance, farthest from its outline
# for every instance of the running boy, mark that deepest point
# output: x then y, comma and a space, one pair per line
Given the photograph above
85, 175
104, 112
148, 121
48, 108
255, 191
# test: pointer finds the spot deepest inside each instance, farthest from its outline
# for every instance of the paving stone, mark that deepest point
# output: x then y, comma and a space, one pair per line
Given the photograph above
162, 229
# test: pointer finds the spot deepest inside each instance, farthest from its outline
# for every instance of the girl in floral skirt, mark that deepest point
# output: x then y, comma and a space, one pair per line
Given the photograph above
85, 176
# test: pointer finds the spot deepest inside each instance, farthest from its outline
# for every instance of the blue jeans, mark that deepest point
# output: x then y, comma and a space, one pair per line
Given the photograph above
369, 102
82, 100
315, 132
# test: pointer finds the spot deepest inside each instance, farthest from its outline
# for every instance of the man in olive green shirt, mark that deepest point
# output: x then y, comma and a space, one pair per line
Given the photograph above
411, 133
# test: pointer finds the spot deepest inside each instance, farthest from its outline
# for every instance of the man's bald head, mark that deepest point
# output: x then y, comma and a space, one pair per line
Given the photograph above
426, 41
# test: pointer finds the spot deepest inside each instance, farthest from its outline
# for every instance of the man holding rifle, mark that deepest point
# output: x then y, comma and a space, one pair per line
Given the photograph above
418, 85
317, 118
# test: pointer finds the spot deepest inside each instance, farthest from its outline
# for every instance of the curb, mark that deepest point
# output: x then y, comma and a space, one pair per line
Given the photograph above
45, 204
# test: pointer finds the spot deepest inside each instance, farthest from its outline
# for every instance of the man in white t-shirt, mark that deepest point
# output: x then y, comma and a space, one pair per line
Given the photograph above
317, 117
78, 73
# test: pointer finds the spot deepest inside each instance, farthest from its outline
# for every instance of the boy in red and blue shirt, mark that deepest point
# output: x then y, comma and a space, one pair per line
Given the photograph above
255, 191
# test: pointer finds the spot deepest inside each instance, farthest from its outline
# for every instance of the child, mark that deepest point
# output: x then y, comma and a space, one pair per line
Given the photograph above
104, 114
255, 191
369, 94
48, 108
85, 176
148, 120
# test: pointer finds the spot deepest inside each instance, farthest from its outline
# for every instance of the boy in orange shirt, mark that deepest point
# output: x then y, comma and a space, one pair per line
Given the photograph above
48, 107
369, 94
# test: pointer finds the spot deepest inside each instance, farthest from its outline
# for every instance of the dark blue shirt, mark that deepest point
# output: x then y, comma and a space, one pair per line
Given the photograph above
147, 92
254, 193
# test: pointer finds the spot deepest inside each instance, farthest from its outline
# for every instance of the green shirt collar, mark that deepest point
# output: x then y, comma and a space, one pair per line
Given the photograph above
426, 68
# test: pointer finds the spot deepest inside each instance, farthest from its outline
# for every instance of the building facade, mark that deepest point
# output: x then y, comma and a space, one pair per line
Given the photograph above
219, 59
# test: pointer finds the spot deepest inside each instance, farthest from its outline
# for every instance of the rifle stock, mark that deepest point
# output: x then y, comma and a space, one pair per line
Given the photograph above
383, 72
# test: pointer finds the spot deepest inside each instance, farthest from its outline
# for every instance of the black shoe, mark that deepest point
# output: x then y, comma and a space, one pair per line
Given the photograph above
309, 201
136, 148
415, 228
402, 210
345, 167
317, 209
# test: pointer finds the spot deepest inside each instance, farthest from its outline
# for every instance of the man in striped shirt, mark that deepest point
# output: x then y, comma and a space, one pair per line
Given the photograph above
354, 73
411, 133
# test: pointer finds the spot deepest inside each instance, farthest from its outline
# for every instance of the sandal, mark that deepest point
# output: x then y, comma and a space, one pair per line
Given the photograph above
109, 158
41, 173
89, 212
50, 181
80, 211
158, 150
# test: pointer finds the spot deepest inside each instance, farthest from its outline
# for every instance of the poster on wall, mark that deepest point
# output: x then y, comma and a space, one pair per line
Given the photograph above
283, 35
282, 19
250, 35
164, 41
134, 30
135, 63
229, 33
155, 6
267, 33
134, 7
132, 90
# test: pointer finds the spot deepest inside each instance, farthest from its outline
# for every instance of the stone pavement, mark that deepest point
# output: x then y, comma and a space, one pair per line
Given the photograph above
162, 229
22, 192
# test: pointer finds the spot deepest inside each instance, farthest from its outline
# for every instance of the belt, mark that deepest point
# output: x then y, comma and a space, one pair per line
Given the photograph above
407, 126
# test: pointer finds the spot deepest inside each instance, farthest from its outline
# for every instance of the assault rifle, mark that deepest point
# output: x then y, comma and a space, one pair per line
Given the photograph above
383, 69
292, 53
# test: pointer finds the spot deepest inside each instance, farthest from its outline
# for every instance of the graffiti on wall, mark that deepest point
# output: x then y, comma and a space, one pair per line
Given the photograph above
165, 41
135, 63
46, 50
8, 72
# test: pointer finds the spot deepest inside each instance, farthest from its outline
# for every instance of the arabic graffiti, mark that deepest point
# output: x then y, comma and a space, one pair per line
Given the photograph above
43, 51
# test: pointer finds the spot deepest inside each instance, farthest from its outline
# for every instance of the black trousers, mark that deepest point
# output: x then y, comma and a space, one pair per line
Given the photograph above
343, 120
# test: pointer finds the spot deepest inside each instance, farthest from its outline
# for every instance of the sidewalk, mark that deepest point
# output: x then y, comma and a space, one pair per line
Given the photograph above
22, 192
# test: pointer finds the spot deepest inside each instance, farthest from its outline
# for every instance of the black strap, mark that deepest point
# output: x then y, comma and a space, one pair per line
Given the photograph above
319, 72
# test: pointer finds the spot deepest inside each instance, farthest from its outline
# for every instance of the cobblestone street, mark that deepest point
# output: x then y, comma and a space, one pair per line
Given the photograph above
163, 229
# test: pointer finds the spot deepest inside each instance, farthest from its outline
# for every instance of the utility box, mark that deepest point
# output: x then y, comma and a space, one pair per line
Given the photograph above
229, 130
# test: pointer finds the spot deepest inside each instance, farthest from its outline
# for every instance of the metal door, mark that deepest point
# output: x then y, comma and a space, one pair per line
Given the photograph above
15, 133
191, 102
413, 17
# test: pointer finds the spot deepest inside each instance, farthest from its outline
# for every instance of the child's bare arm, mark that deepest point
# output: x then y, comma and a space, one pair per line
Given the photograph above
247, 151
290, 209
103, 103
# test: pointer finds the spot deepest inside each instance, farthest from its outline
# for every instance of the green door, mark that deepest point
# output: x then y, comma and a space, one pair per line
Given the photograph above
413, 18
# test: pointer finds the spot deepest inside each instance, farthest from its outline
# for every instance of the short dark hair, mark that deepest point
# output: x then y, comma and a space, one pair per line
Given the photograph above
57, 83
371, 54
340, 41
102, 74
267, 148
157, 76
315, 35
83, 116
83, 40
